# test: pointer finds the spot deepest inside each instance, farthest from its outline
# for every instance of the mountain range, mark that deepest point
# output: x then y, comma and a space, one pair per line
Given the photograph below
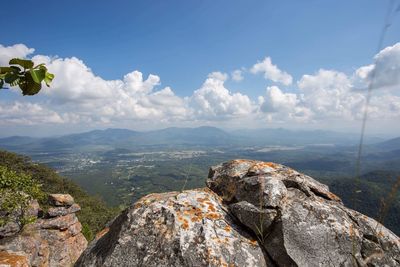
200, 136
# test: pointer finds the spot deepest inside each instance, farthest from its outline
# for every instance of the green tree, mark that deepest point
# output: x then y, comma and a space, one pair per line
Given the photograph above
25, 75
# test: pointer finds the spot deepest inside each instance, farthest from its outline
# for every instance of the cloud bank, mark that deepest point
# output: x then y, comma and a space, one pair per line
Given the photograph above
79, 97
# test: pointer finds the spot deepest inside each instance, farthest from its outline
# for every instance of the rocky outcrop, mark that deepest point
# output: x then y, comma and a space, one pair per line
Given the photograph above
253, 214
298, 221
191, 228
54, 239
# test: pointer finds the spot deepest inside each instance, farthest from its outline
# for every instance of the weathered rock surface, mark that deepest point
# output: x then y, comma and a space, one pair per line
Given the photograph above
13, 260
61, 211
49, 241
175, 229
298, 221
256, 214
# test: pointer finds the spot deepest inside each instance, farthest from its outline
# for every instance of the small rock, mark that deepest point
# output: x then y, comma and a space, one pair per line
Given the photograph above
61, 199
9, 229
61, 211
60, 223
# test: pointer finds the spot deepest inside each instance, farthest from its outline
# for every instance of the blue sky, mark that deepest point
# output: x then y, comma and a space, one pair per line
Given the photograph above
184, 41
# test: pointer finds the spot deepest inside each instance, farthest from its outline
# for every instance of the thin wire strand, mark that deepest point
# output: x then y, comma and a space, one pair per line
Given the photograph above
391, 12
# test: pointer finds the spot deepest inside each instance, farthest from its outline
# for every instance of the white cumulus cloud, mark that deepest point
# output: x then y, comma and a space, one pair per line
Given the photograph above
283, 106
385, 70
78, 96
272, 72
237, 75
214, 100
25, 113
13, 51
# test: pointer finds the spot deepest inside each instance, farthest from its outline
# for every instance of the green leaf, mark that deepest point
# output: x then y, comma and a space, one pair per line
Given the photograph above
29, 86
25, 63
10, 77
15, 82
4, 70
41, 66
16, 69
38, 75
1, 83
49, 77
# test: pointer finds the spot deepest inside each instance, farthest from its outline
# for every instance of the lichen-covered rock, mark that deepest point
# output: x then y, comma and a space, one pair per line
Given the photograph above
61, 199
192, 228
257, 214
299, 222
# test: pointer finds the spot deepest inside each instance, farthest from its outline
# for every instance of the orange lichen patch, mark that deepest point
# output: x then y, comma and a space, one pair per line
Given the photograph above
224, 264
332, 196
195, 219
326, 194
102, 233
261, 165
195, 214
202, 199
253, 242
185, 224
138, 205
211, 207
213, 216
13, 260
227, 228
208, 192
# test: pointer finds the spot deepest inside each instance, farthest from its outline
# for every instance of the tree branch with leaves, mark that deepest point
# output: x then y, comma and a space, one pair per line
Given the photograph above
25, 75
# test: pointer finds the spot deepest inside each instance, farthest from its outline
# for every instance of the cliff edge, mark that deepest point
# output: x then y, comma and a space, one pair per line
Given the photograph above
252, 214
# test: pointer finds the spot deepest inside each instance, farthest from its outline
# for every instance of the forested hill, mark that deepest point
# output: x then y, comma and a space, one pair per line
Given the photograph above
94, 212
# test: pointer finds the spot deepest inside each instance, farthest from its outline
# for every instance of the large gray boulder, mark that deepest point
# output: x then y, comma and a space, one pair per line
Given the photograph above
298, 221
191, 228
256, 214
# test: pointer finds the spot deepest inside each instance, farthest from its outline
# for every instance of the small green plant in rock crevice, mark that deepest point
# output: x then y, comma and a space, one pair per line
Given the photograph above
17, 190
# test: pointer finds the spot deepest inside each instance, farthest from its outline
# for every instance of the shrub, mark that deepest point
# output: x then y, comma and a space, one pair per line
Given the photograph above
94, 214
16, 192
